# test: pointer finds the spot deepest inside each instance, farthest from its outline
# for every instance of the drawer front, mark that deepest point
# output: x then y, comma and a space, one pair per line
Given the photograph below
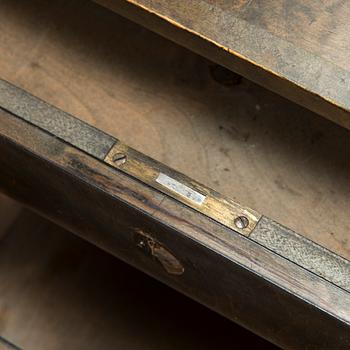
248, 268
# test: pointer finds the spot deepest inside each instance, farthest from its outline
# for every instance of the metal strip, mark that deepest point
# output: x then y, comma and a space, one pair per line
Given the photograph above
182, 188
302, 251
55, 121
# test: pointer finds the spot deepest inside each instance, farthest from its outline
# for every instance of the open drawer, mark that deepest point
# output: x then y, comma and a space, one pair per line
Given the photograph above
128, 86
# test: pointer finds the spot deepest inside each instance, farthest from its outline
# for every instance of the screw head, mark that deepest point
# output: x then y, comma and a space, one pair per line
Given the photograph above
141, 244
241, 222
119, 158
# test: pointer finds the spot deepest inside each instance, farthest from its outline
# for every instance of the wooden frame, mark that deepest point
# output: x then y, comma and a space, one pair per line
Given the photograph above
272, 280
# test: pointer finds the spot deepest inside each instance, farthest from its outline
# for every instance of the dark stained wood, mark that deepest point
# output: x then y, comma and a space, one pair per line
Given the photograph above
258, 289
58, 291
299, 49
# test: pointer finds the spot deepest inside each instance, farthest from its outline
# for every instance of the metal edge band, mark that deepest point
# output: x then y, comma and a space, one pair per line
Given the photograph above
54, 121
303, 252
187, 191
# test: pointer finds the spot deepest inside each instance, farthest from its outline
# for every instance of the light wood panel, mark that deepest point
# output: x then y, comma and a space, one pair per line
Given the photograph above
297, 48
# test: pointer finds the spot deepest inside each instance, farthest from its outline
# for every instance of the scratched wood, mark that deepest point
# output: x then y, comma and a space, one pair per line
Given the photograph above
246, 142
58, 291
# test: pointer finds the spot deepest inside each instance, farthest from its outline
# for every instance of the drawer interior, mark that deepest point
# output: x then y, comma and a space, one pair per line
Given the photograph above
181, 109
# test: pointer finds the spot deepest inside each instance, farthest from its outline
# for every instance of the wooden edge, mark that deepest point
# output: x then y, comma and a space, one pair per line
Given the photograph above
325, 102
6, 345
183, 248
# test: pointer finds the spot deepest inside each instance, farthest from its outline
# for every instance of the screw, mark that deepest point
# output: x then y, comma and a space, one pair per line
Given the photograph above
141, 244
119, 158
241, 222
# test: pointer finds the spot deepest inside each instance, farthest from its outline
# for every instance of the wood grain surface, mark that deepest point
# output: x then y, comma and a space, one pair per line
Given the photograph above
60, 292
296, 48
260, 290
241, 140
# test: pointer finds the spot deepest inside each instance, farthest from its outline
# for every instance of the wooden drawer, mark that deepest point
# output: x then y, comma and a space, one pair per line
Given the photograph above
59, 291
250, 145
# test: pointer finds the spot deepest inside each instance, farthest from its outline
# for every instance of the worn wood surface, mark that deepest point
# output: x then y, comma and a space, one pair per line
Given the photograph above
60, 292
264, 292
242, 140
298, 49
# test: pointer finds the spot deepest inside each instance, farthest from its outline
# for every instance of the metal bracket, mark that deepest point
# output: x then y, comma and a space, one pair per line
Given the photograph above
178, 186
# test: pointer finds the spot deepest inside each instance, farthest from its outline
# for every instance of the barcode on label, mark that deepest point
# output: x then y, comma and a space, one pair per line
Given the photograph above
180, 188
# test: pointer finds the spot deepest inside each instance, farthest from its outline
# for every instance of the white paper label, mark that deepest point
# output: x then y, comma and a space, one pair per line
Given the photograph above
180, 188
